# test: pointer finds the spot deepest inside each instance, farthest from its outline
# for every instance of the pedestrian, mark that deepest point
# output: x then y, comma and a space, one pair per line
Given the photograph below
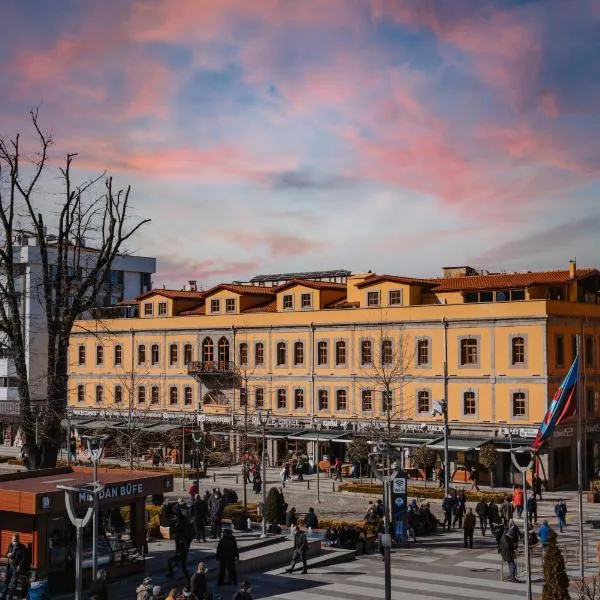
448, 507
199, 512
459, 512
560, 510
532, 513
198, 581
283, 475
227, 555
73, 448
98, 589
244, 592
338, 469
38, 590
182, 545
469, 528
544, 535
257, 485
536, 486
474, 478
16, 556
310, 519
508, 552
217, 509
300, 550
482, 511
300, 469
441, 477
506, 511
290, 517
193, 491
518, 500
144, 591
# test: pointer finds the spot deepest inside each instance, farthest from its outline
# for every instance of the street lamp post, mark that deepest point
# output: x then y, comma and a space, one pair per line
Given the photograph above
95, 448
197, 437
441, 408
522, 459
318, 426
263, 419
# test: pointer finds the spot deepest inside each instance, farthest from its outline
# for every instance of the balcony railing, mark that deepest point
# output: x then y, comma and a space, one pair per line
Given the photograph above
215, 373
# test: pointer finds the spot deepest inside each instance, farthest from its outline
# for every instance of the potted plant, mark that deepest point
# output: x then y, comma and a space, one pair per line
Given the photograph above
593, 496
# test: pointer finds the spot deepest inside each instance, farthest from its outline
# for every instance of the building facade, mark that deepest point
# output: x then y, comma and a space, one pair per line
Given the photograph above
130, 276
333, 359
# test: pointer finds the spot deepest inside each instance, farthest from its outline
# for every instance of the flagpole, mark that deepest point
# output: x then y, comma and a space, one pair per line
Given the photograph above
579, 466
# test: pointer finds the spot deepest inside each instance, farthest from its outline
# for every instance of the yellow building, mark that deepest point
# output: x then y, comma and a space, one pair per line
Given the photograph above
352, 352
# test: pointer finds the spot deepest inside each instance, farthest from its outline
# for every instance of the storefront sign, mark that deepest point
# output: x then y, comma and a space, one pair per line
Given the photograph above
136, 414
523, 432
221, 419
593, 428
115, 491
421, 428
567, 432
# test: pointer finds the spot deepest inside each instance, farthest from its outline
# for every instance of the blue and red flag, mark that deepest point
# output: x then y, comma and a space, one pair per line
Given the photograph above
564, 404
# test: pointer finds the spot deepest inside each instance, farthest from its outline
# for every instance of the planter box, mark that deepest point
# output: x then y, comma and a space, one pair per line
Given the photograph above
593, 497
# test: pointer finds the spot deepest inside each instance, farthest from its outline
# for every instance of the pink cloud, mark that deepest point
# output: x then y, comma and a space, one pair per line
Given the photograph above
175, 271
277, 244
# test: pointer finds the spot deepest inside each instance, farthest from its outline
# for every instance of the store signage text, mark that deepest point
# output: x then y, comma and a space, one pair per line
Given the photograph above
123, 414
421, 428
567, 432
114, 491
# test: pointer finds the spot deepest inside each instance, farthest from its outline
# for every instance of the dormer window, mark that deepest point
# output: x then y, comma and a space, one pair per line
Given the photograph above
215, 306
306, 300
162, 309
395, 298
372, 298
288, 302
230, 305
148, 309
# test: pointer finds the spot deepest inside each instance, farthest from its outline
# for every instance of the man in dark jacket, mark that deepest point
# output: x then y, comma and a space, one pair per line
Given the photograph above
227, 555
469, 528
507, 551
16, 556
290, 517
448, 508
300, 550
482, 512
217, 508
199, 511
310, 520
182, 546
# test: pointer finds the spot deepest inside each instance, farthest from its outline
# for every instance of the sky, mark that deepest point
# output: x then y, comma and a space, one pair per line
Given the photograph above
266, 136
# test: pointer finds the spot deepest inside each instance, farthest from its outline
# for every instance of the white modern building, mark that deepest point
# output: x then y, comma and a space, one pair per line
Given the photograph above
129, 277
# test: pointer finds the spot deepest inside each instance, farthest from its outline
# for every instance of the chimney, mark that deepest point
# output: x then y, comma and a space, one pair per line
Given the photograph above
572, 269
193, 285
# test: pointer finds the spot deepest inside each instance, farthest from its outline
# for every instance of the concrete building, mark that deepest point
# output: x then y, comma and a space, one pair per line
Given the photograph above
352, 353
129, 277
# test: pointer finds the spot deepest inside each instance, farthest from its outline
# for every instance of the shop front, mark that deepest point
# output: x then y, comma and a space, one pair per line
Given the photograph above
32, 504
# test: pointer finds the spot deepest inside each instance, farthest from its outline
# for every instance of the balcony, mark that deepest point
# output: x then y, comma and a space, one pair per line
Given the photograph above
10, 409
214, 374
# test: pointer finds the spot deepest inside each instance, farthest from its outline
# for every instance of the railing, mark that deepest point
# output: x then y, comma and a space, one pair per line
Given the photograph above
570, 552
12, 408
212, 366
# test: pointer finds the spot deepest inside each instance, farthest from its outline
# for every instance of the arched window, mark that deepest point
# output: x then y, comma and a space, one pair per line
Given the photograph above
99, 355
155, 354
187, 354
141, 354
243, 353
118, 355
99, 394
340, 353
366, 352
155, 395
80, 393
173, 399
141, 394
298, 353
341, 400
259, 353
259, 397
173, 358
223, 350
208, 351
281, 354
188, 395
386, 352
323, 400
281, 398
118, 394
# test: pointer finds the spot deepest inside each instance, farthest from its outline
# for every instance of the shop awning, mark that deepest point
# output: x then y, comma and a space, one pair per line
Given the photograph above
411, 442
94, 425
460, 444
160, 428
321, 436
275, 433
503, 445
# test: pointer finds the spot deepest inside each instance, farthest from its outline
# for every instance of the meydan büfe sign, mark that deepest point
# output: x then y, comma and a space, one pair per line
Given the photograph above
131, 488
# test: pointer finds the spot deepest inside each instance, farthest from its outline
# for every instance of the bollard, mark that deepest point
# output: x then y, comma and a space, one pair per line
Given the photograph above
236, 480
214, 476
308, 485
333, 486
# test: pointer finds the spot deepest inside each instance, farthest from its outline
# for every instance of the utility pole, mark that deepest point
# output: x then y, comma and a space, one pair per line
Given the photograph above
95, 448
263, 419
440, 407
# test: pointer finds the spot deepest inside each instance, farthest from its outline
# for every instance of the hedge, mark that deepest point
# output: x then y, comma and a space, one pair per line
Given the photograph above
420, 492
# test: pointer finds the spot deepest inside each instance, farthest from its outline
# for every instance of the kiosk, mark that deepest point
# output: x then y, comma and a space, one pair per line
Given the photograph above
33, 505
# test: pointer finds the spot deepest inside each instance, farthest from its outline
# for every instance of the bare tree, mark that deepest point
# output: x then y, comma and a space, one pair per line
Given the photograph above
73, 275
385, 358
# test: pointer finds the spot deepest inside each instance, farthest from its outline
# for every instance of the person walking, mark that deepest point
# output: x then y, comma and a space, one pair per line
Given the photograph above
474, 478
198, 581
227, 555
518, 500
338, 469
217, 508
506, 511
182, 546
544, 535
469, 528
448, 507
199, 512
300, 550
532, 512
508, 553
310, 519
16, 560
244, 592
482, 511
300, 469
536, 486
290, 517
459, 512
98, 589
441, 477
560, 510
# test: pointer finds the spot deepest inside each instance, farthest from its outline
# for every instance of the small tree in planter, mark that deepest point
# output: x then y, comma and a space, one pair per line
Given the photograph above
556, 580
488, 457
424, 458
358, 452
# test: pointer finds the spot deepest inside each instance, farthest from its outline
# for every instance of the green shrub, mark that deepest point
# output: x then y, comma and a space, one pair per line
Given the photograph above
556, 580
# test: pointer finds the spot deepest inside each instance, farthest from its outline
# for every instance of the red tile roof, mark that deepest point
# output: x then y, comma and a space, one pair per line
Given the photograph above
508, 280
374, 279
243, 290
173, 294
315, 285
200, 309
270, 306
343, 303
